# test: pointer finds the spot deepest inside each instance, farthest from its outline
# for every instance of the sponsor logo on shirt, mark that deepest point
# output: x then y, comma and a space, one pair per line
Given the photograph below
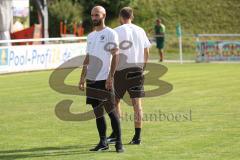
102, 37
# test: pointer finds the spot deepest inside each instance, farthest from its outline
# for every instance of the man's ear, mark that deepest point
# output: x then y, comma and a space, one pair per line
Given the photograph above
132, 18
104, 16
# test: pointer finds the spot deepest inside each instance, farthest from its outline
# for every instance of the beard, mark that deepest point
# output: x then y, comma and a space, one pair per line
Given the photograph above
97, 22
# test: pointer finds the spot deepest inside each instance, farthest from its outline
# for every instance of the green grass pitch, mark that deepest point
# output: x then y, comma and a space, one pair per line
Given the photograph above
30, 130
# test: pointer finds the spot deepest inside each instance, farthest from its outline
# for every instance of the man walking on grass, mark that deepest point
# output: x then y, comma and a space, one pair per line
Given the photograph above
159, 29
134, 50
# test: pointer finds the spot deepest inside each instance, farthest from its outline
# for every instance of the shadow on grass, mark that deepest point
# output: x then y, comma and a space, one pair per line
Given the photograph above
46, 152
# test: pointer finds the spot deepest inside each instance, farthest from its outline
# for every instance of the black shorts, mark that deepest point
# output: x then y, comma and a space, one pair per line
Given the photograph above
131, 80
96, 93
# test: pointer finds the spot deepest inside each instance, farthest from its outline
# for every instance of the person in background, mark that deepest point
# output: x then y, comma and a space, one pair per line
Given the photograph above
160, 38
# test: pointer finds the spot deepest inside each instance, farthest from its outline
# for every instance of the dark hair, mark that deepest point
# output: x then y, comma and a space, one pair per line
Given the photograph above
126, 13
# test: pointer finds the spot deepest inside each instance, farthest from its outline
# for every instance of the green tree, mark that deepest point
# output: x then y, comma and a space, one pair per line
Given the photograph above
63, 10
112, 7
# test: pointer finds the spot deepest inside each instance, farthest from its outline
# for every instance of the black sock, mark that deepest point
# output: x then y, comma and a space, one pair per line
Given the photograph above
101, 126
115, 125
112, 135
137, 133
101, 123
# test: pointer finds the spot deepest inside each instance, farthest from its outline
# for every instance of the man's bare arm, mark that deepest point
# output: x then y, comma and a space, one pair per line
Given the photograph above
84, 72
114, 63
146, 56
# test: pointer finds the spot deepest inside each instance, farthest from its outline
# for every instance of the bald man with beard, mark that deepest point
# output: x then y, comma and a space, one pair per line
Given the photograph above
98, 71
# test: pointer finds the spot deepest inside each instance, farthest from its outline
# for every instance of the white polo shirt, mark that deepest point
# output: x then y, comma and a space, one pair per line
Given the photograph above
138, 41
99, 44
